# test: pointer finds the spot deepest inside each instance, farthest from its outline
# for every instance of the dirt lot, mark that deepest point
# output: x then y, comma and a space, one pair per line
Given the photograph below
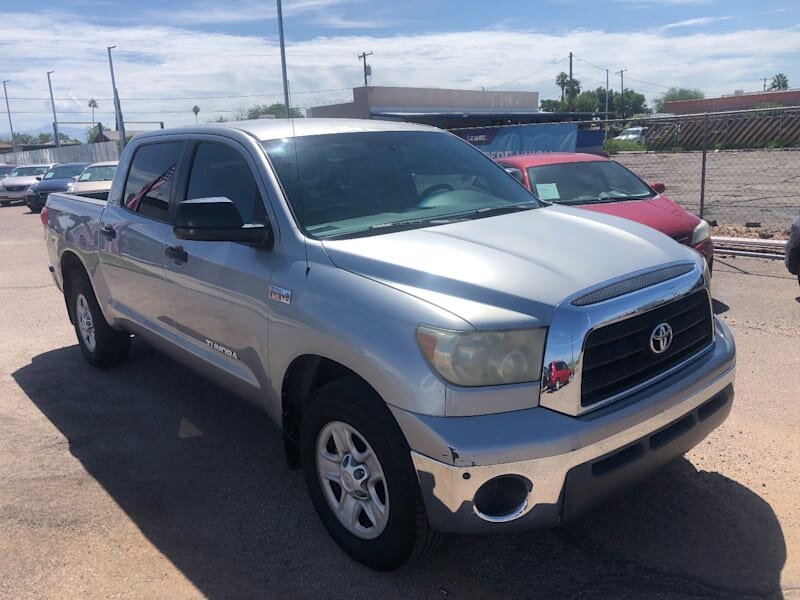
148, 482
756, 186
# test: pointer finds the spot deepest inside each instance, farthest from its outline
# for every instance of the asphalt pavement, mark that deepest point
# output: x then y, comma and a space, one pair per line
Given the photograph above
146, 481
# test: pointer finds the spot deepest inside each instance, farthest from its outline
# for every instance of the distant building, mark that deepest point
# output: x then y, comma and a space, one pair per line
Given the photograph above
446, 108
738, 101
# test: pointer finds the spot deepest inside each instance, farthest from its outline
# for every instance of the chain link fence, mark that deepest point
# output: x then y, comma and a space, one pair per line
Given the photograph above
738, 170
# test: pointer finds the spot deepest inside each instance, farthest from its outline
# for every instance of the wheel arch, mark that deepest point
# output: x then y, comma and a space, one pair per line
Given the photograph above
71, 267
305, 374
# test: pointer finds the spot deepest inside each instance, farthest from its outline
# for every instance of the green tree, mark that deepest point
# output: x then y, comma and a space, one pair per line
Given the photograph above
676, 93
92, 105
550, 105
277, 110
587, 102
779, 82
195, 110
573, 88
562, 79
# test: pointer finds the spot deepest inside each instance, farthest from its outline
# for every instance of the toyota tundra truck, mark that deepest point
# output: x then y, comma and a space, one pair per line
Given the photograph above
392, 298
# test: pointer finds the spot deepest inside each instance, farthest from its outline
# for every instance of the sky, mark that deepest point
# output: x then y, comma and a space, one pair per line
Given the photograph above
223, 56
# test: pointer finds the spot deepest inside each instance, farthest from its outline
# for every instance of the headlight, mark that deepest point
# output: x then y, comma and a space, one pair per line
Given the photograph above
700, 233
484, 357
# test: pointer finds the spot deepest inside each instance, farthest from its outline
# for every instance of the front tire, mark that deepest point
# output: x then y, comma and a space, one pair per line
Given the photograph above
358, 471
101, 345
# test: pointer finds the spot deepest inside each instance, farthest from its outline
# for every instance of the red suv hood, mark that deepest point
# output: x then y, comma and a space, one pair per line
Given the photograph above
660, 213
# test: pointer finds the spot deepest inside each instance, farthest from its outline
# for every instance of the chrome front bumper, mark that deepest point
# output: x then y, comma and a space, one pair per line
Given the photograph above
571, 462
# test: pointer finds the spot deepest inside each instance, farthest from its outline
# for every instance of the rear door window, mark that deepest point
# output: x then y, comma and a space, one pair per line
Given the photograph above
151, 179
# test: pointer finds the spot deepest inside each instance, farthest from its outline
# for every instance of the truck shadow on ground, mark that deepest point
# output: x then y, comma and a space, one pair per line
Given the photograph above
202, 475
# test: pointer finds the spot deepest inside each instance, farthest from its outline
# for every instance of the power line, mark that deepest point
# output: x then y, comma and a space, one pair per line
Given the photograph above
550, 64
155, 99
658, 85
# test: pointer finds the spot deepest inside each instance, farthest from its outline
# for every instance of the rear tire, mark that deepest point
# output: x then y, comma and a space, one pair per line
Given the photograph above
101, 345
350, 441
5, 202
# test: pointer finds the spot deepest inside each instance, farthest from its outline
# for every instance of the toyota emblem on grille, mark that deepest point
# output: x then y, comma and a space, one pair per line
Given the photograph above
661, 338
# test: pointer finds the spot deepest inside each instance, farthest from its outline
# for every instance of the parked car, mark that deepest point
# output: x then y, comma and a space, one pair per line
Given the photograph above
5, 170
793, 249
370, 284
602, 185
95, 181
632, 134
557, 374
59, 178
16, 184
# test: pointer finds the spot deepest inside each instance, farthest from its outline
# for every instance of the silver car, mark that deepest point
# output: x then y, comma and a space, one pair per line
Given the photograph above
95, 181
16, 184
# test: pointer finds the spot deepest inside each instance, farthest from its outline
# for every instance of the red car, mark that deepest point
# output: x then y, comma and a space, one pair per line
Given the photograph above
603, 185
556, 375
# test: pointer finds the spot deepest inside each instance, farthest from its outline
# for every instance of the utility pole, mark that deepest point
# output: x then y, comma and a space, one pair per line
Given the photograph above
606, 102
765, 83
367, 71
10, 126
621, 92
117, 105
283, 61
570, 86
53, 104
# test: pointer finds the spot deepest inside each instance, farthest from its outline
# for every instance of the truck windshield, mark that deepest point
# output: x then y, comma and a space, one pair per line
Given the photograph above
348, 184
102, 173
64, 172
586, 182
27, 171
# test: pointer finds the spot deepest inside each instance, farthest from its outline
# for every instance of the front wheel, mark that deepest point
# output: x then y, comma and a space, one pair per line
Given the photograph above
358, 471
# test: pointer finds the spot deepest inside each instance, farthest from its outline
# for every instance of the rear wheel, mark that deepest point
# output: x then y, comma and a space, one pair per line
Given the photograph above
5, 202
101, 345
358, 470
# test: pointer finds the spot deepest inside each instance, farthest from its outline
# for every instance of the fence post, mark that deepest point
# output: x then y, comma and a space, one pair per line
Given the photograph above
703, 169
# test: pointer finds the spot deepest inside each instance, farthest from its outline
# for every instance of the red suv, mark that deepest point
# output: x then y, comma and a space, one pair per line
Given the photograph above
603, 185
556, 375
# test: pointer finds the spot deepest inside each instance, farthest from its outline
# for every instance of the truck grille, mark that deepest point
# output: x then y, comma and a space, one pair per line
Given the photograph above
619, 356
15, 188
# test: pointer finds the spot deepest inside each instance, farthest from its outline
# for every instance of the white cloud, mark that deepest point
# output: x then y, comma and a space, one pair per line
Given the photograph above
697, 22
162, 71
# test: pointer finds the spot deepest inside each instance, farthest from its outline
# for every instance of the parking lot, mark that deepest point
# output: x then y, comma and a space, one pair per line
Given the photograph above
146, 481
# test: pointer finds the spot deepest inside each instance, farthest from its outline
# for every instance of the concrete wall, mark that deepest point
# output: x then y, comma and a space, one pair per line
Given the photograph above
447, 98
80, 153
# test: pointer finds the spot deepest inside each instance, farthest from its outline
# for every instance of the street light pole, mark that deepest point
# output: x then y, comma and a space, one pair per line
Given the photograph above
363, 56
283, 61
53, 104
117, 106
10, 126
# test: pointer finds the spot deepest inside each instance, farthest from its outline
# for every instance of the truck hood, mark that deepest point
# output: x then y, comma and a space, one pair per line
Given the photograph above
54, 185
660, 213
508, 270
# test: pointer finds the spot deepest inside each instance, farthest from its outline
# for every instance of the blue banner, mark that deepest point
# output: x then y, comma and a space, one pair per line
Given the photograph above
508, 140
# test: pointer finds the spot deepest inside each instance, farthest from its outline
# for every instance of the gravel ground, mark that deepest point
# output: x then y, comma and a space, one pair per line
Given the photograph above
742, 186
147, 482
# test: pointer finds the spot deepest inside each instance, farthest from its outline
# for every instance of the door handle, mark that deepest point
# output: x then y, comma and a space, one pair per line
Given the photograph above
177, 253
108, 231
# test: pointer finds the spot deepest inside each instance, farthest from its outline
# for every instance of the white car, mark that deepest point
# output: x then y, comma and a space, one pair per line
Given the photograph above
19, 180
632, 134
95, 180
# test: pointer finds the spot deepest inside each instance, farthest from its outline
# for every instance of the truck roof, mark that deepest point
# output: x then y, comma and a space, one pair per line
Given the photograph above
270, 129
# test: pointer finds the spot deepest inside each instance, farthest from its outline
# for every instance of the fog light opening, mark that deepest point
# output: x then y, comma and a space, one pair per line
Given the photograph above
502, 498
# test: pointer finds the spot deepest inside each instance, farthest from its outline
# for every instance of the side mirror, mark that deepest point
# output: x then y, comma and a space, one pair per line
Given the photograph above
658, 187
515, 173
38, 178
217, 219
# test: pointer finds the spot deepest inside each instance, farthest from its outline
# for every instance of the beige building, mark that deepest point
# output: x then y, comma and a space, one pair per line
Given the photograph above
440, 107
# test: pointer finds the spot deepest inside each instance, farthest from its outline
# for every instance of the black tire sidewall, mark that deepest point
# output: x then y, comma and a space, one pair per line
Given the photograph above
358, 405
111, 346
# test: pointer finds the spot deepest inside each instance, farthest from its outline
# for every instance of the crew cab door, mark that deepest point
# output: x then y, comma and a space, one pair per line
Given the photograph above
133, 233
219, 289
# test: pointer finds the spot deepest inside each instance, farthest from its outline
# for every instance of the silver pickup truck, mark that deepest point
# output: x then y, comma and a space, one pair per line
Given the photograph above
442, 351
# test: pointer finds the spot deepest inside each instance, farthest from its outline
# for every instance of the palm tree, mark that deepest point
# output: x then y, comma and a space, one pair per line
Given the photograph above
779, 82
195, 110
562, 79
573, 88
92, 105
